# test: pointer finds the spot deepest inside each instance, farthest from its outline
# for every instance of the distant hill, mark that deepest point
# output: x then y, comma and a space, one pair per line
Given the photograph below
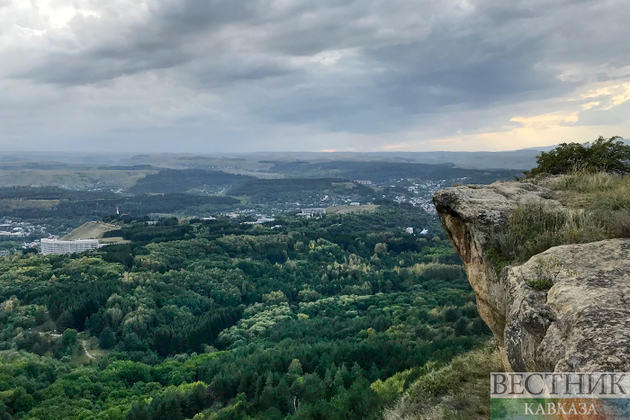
305, 191
517, 159
192, 180
385, 171
264, 186
64, 157
257, 164
50, 202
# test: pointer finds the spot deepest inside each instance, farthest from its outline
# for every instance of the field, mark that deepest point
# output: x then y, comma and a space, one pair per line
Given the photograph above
115, 240
75, 177
90, 230
21, 204
351, 209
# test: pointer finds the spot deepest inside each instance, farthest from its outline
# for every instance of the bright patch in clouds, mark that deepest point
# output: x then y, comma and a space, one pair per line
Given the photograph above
608, 97
547, 120
624, 96
60, 18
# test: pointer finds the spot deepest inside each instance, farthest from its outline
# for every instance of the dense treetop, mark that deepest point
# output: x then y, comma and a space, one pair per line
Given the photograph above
603, 155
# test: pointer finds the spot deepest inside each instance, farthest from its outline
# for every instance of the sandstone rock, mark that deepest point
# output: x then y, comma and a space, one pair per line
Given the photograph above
579, 322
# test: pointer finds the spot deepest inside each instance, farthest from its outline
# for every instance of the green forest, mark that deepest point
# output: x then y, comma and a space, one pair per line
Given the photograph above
380, 171
214, 319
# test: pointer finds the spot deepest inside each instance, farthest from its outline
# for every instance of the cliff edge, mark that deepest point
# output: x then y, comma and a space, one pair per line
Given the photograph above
565, 309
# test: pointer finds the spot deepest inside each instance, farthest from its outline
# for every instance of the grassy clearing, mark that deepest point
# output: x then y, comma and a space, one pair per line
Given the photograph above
20, 204
72, 177
90, 230
604, 197
344, 185
113, 240
456, 391
596, 206
351, 209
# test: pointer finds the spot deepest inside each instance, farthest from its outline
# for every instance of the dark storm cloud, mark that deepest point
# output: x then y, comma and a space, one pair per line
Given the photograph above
356, 66
442, 72
71, 69
460, 53
494, 54
167, 38
193, 16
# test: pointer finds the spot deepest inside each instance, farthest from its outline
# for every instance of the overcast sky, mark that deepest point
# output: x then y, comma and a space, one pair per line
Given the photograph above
311, 75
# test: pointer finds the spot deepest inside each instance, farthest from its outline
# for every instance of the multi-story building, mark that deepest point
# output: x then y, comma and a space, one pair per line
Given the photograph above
55, 246
316, 212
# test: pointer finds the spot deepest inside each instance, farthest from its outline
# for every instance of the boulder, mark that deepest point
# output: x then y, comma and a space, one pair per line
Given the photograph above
566, 309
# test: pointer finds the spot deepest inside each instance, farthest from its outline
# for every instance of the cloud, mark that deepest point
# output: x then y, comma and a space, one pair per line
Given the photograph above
610, 95
303, 75
623, 97
547, 120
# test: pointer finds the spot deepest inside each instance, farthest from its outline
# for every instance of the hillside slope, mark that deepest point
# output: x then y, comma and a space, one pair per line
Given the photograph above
458, 390
90, 230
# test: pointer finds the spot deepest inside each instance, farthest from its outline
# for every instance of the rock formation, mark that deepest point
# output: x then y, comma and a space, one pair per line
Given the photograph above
578, 321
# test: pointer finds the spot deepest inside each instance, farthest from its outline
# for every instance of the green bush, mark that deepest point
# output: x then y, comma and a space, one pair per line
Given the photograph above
458, 390
603, 155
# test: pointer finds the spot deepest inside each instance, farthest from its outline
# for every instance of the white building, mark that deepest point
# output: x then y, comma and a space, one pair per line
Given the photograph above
409, 230
355, 204
55, 246
313, 212
265, 220
260, 221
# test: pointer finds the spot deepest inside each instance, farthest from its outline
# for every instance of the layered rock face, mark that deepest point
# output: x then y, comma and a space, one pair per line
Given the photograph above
579, 320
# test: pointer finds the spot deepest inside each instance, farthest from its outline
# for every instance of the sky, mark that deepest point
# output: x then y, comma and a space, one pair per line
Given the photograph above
302, 75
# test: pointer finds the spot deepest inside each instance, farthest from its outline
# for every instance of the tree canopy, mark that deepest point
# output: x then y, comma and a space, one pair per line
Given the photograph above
603, 155
223, 320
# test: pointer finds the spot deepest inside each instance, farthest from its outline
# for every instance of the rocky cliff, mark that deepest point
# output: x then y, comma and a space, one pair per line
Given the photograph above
566, 309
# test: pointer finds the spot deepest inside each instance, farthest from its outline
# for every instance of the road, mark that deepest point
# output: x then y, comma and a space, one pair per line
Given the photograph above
87, 353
